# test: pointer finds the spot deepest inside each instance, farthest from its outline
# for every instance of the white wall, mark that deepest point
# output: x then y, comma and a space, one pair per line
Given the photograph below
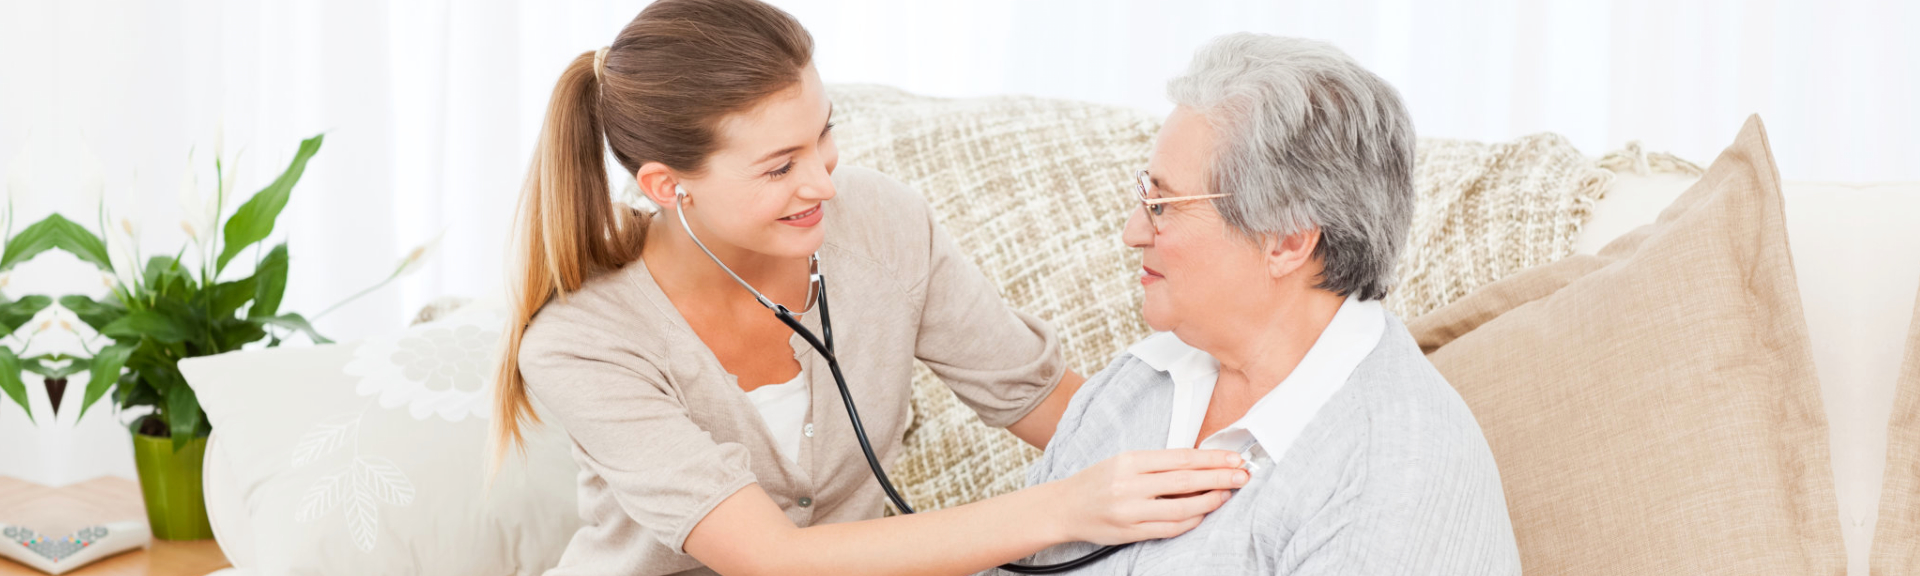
431, 107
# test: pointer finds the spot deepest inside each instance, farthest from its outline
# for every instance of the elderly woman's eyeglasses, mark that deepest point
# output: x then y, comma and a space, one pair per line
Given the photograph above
1157, 207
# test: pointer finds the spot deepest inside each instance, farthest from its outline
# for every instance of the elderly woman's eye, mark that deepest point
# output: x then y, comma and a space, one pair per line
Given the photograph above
1157, 209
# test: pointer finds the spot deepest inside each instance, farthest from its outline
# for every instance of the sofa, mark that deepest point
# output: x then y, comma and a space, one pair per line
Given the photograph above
368, 457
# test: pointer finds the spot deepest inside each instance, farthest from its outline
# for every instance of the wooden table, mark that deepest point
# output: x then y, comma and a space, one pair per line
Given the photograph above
60, 511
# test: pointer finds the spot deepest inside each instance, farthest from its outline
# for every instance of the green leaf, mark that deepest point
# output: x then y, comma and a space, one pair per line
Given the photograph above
133, 391
270, 282
41, 365
11, 383
165, 276
104, 372
230, 334
55, 231
150, 323
183, 414
19, 312
93, 313
227, 297
293, 321
253, 221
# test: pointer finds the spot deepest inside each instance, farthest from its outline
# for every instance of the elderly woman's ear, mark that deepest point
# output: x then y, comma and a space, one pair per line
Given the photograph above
1292, 254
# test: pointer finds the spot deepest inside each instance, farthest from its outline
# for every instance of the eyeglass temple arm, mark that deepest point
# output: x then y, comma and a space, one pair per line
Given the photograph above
1170, 199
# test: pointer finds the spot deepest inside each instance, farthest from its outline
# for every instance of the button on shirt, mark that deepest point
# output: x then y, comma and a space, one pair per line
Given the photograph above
1367, 461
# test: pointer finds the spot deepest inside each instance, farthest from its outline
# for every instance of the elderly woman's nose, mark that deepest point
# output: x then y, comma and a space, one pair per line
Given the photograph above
1138, 232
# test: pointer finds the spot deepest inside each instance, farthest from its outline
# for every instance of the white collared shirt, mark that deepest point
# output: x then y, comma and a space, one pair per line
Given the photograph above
1277, 418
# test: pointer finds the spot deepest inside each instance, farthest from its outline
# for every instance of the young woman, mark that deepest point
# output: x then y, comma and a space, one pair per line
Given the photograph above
709, 436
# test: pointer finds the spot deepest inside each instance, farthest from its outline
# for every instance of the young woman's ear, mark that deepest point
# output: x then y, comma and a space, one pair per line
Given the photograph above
657, 183
1287, 254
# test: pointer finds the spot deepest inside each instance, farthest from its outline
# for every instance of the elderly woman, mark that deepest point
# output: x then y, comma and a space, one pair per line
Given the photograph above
1278, 195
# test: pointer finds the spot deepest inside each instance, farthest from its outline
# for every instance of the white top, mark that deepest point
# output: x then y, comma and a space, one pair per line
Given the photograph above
784, 407
1277, 418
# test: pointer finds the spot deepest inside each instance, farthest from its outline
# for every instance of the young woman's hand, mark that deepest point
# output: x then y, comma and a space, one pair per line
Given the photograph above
1145, 495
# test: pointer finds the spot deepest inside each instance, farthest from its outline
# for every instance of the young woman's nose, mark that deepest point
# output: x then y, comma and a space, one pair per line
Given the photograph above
818, 185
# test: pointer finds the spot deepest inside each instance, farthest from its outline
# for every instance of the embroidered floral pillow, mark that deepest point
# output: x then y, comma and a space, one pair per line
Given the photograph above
370, 457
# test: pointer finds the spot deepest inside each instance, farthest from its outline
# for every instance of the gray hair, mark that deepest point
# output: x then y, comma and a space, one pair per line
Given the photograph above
1307, 138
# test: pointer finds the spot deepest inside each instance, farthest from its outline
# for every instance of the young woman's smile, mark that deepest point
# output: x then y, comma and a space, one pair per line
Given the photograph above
806, 218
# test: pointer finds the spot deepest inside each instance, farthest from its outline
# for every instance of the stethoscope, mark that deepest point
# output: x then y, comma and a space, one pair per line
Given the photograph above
817, 285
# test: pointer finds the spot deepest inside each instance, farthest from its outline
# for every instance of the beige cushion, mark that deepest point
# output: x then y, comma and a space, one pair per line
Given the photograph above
1654, 407
1857, 302
369, 457
1896, 543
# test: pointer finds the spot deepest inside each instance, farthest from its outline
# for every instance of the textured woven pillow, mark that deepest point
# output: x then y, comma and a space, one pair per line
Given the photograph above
1896, 537
1488, 210
1654, 408
1036, 191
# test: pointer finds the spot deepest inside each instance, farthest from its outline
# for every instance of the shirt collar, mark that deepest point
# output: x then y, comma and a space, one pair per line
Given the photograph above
1193, 373
1277, 418
1167, 353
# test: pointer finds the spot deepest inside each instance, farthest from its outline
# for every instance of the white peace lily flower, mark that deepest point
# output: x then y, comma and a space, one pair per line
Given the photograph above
123, 252
220, 137
417, 258
192, 205
17, 187
226, 188
93, 180
19, 182
61, 317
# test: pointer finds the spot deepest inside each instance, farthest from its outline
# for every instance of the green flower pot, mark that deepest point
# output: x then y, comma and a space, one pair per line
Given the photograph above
170, 483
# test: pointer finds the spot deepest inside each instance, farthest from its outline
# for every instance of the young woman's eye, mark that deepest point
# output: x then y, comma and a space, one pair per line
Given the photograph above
782, 171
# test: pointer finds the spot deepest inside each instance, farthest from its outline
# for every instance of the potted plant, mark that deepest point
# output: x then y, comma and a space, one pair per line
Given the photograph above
178, 306
15, 313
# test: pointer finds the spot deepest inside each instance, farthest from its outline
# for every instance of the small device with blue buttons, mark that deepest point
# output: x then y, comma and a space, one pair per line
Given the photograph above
60, 555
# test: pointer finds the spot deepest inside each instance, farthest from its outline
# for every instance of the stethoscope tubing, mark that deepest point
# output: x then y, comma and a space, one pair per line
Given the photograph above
826, 350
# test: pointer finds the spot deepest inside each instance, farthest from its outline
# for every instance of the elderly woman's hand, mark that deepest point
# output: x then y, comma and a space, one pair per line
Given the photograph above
1145, 495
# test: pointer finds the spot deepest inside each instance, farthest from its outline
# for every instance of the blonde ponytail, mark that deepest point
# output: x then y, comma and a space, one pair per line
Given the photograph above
568, 229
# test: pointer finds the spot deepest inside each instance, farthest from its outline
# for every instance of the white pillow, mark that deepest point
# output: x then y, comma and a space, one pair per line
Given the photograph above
370, 457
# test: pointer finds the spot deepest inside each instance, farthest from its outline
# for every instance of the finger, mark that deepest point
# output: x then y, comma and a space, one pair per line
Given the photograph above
1178, 509
1180, 459
1159, 530
1186, 482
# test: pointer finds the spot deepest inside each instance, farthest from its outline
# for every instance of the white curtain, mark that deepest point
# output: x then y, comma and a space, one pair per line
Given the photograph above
430, 108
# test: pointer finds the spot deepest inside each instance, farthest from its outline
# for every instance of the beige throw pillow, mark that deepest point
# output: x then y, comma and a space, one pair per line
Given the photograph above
1653, 408
1896, 538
